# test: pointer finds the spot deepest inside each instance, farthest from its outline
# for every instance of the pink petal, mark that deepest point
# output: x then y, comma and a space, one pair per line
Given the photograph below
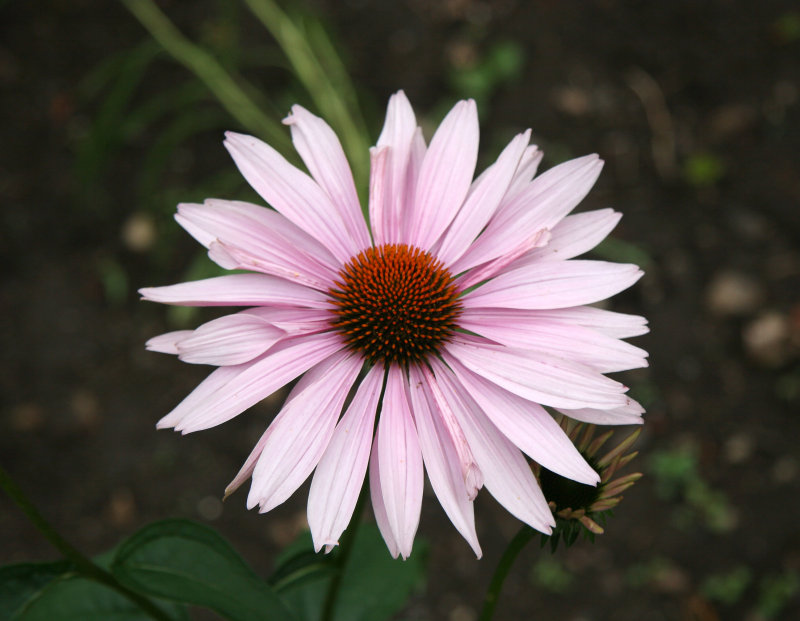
617, 325
484, 197
540, 378
554, 285
229, 340
167, 343
302, 430
446, 175
292, 193
378, 502
257, 238
293, 321
528, 426
340, 474
442, 462
525, 331
216, 380
495, 266
541, 205
400, 458
507, 474
237, 290
228, 395
447, 423
573, 236
324, 157
249, 465
397, 137
528, 165
380, 200
628, 414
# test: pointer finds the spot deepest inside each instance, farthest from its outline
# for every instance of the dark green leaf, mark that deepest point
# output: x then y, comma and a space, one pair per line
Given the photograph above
72, 598
374, 585
191, 563
20, 584
298, 566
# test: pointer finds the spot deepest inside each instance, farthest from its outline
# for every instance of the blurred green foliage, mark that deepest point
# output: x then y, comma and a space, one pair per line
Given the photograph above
480, 78
677, 477
729, 586
703, 169
550, 574
776, 591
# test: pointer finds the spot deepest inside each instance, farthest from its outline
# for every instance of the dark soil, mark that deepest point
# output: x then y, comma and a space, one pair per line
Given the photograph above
695, 106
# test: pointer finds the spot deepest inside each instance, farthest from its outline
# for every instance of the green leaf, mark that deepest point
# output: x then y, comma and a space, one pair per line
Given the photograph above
299, 564
374, 585
22, 583
49, 594
191, 563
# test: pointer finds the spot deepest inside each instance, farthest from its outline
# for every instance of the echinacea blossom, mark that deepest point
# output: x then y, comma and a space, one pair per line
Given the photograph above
452, 320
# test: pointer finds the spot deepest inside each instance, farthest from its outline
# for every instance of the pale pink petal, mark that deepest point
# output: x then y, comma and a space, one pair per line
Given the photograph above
324, 157
249, 465
628, 414
302, 430
484, 197
293, 321
507, 474
340, 474
415, 158
617, 325
528, 165
525, 331
495, 266
446, 175
380, 201
554, 285
229, 340
573, 236
216, 380
293, 193
447, 424
553, 194
237, 290
541, 205
528, 426
167, 343
258, 239
378, 503
398, 136
442, 462
249, 383
536, 377
400, 458
419, 150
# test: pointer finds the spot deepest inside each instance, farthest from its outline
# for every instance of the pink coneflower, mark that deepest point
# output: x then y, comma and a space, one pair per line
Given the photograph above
456, 314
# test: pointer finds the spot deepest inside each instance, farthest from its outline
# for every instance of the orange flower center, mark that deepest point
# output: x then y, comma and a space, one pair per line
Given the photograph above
395, 304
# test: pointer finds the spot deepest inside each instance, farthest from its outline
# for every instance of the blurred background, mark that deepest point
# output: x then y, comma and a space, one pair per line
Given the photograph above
695, 107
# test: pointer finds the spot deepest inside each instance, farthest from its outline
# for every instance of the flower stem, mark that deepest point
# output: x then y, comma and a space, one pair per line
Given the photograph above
519, 541
82, 564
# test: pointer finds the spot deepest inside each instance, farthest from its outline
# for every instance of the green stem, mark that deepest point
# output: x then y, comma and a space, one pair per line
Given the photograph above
82, 565
525, 534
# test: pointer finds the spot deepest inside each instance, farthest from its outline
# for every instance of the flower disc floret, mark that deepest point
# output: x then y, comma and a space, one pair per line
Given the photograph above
395, 303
